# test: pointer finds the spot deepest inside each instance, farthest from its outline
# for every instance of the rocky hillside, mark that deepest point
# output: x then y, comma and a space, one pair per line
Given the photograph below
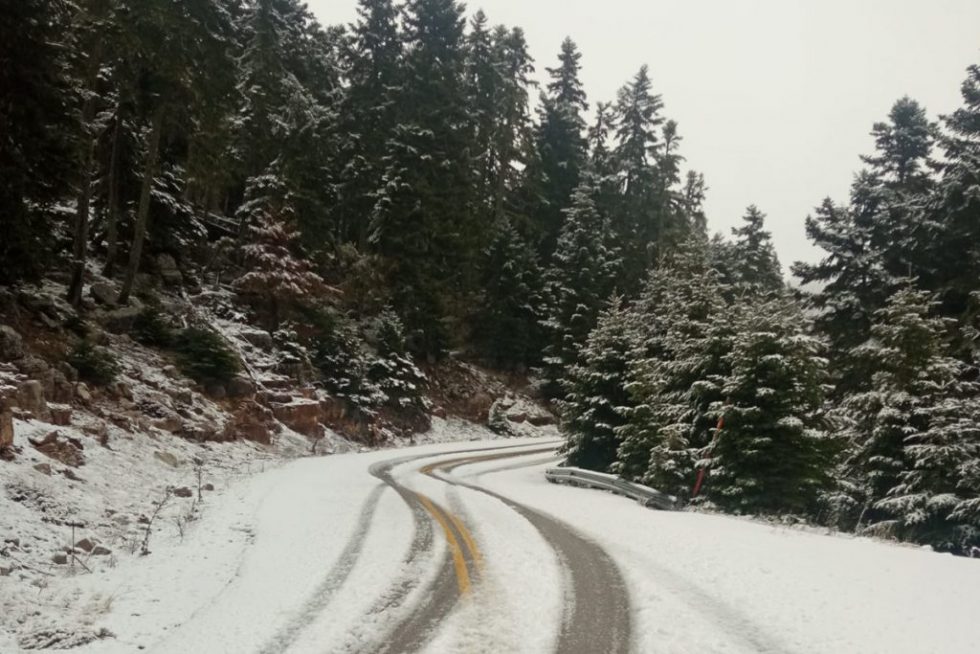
112, 436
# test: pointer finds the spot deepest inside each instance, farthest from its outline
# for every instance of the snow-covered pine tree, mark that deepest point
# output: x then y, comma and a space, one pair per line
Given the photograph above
38, 127
902, 168
852, 278
915, 437
773, 455
951, 219
595, 395
581, 278
368, 116
561, 148
638, 218
684, 331
507, 321
423, 221
392, 369
756, 265
276, 275
169, 56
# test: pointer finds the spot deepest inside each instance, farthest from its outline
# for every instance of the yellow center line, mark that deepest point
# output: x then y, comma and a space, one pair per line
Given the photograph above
462, 574
468, 539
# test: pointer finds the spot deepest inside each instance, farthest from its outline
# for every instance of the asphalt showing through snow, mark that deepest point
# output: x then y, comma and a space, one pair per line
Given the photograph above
596, 612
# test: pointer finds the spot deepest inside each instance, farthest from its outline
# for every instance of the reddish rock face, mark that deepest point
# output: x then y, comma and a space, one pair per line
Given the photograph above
60, 415
302, 416
252, 422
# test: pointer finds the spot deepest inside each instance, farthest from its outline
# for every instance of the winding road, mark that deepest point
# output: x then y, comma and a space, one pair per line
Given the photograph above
596, 612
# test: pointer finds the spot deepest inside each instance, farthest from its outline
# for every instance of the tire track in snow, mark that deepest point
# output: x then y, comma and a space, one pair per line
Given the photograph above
597, 616
416, 629
739, 626
288, 634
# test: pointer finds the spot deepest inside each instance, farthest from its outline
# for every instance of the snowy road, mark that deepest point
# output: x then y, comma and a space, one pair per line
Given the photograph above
466, 549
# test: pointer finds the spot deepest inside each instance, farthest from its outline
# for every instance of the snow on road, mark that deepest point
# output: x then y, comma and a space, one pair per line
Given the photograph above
710, 583
301, 559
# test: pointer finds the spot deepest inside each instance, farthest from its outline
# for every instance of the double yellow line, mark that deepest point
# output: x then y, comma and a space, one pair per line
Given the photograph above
453, 526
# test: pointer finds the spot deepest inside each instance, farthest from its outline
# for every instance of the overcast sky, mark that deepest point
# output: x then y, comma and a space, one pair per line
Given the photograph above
774, 98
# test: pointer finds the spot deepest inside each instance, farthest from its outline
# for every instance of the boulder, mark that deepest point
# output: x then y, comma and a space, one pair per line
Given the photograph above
260, 339
60, 414
207, 487
44, 468
169, 272
253, 422
302, 416
60, 559
86, 545
61, 448
82, 393
241, 386
99, 550
167, 458
11, 344
183, 492
104, 293
6, 429
62, 389
517, 418
30, 397
439, 412
541, 420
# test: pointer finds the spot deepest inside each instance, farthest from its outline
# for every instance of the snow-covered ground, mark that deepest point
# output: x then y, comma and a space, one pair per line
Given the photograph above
317, 556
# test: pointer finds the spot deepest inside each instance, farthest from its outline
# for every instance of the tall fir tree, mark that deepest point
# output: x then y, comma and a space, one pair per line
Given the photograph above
561, 147
592, 410
639, 219
755, 261
38, 124
507, 320
581, 278
423, 222
678, 372
852, 278
951, 235
773, 454
372, 60
916, 435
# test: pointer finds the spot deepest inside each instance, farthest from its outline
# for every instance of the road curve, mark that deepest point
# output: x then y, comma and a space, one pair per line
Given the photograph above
597, 611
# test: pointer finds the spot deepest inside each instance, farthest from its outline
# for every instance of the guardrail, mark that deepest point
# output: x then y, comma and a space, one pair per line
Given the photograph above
649, 497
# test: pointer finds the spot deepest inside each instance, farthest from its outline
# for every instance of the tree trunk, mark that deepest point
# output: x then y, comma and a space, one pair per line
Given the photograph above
143, 215
112, 222
80, 245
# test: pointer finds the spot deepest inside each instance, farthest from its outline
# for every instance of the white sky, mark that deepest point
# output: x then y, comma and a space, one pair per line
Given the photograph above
774, 98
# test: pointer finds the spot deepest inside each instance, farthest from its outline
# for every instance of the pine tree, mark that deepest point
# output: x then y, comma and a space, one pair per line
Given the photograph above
772, 455
693, 196
276, 275
368, 116
173, 50
951, 233
916, 435
38, 126
595, 396
507, 322
423, 221
639, 219
852, 275
561, 147
756, 264
392, 369
902, 167
677, 375
581, 277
